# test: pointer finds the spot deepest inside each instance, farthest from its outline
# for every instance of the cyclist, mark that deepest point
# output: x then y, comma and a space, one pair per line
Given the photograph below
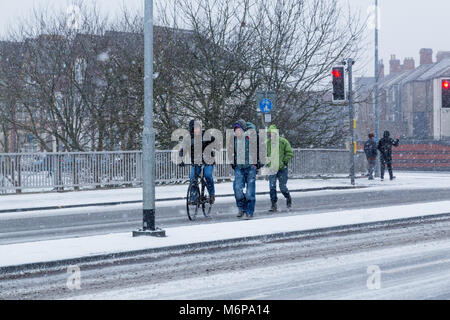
196, 169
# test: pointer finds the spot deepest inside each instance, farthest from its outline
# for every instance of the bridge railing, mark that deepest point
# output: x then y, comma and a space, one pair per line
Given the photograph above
41, 172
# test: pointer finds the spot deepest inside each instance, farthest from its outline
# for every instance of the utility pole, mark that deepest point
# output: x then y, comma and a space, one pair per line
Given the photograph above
377, 76
148, 141
350, 63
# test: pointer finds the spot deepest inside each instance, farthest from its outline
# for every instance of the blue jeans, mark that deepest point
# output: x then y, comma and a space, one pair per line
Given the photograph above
245, 178
196, 170
282, 177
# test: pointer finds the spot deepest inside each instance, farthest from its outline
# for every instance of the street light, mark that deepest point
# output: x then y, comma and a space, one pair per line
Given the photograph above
148, 141
376, 91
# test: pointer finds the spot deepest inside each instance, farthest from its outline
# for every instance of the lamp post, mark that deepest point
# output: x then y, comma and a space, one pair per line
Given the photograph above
148, 141
377, 76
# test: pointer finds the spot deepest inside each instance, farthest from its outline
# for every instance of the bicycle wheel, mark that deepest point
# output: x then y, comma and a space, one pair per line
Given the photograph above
206, 205
193, 201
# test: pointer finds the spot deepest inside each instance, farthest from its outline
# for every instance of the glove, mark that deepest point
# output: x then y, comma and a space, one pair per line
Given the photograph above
182, 165
233, 166
285, 164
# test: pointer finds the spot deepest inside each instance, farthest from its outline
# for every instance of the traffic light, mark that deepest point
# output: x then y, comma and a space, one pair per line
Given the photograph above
338, 84
446, 93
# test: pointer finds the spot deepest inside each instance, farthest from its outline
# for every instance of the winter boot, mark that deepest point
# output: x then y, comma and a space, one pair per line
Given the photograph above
240, 214
289, 202
274, 207
212, 200
248, 217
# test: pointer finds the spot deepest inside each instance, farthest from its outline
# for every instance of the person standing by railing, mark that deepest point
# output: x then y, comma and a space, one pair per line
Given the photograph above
281, 171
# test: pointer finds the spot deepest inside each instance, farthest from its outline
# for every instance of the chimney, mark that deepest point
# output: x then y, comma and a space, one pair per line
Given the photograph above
394, 65
441, 55
381, 69
426, 56
409, 64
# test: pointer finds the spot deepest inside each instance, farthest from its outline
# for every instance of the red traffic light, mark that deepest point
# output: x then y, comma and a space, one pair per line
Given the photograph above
336, 73
446, 84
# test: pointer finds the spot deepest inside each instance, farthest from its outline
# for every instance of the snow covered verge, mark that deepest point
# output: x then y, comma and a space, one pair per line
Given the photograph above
405, 180
75, 248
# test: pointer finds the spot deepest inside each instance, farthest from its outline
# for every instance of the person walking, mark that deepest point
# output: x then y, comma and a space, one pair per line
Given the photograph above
370, 149
281, 171
385, 148
245, 172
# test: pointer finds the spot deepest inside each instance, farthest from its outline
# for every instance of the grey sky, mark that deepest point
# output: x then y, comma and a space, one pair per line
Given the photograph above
406, 25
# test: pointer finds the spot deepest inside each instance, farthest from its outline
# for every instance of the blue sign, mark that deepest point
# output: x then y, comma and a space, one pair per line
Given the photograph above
265, 105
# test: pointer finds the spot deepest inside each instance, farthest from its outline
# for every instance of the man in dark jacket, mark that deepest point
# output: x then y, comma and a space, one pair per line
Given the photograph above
370, 148
385, 148
196, 169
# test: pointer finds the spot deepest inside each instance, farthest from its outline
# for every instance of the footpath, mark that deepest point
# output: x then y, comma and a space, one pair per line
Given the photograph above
166, 193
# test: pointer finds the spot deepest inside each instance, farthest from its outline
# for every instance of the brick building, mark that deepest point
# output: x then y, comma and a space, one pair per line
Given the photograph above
409, 99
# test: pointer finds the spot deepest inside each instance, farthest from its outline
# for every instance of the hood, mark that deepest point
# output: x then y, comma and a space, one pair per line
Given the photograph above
250, 125
192, 126
272, 128
386, 134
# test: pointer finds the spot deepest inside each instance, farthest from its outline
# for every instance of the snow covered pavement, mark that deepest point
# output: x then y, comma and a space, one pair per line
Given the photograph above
73, 248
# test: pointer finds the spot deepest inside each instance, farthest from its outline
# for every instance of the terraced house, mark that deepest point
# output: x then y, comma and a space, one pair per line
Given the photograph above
410, 102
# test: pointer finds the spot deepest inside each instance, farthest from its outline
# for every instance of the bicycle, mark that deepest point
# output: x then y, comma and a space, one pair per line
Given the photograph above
196, 199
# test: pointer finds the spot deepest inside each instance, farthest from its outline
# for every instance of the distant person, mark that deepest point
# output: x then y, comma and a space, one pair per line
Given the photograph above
281, 171
385, 148
245, 173
370, 148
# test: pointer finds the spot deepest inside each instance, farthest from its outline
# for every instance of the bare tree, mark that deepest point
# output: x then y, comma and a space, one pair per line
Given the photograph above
239, 47
82, 88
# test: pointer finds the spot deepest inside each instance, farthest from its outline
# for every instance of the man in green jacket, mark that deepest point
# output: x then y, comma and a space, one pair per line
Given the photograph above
281, 170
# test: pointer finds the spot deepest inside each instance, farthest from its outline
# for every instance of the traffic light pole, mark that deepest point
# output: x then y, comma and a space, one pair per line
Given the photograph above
350, 63
148, 141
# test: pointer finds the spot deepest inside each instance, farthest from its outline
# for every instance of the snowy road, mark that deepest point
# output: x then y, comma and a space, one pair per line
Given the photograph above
413, 259
31, 226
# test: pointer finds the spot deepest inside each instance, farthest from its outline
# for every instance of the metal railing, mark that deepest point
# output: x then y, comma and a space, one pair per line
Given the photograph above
41, 172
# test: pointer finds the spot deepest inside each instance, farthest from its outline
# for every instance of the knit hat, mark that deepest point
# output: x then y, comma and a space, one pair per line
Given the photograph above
240, 124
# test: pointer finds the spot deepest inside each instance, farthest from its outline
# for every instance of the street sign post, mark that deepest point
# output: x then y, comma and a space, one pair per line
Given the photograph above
265, 105
266, 102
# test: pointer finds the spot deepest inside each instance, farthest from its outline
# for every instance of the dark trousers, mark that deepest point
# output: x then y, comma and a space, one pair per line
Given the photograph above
371, 164
282, 177
388, 163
